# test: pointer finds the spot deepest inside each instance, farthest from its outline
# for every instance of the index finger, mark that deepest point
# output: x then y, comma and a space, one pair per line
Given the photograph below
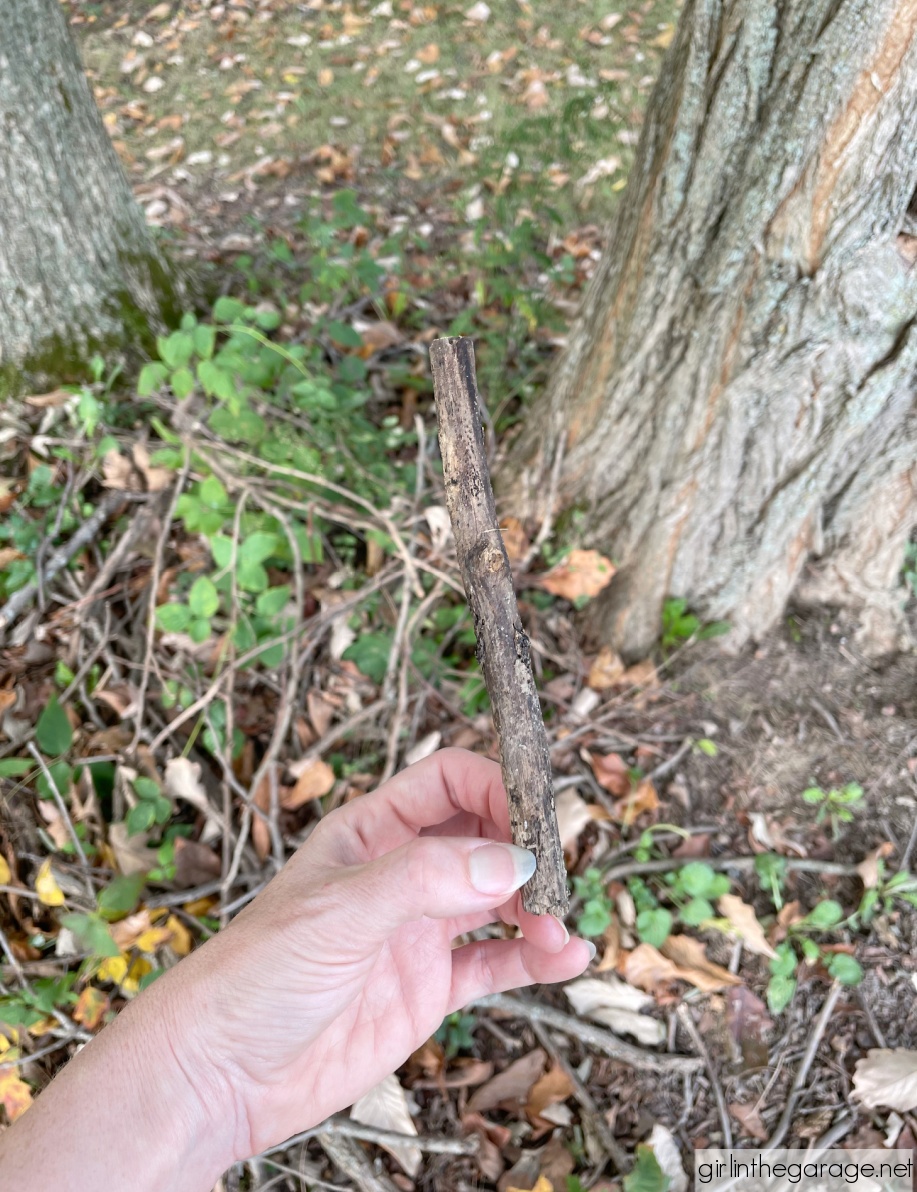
446, 784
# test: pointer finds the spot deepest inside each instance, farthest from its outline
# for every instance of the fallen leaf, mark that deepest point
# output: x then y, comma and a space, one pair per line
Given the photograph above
748, 1022
641, 674
113, 968
15, 1094
610, 772
612, 941
887, 1077
554, 1086
386, 1107
90, 1006
606, 671
664, 40
156, 478
325, 77
183, 781
321, 711
617, 1005
512, 1084
489, 1157
425, 747
668, 1156
311, 784
515, 539
644, 798
117, 471
690, 956
573, 815
543, 1184
46, 887
195, 863
868, 868
378, 336
261, 833
43, 401
126, 932
749, 1118
5, 875
744, 921
583, 573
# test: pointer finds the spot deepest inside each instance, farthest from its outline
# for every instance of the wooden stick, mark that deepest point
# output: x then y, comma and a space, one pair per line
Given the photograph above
503, 647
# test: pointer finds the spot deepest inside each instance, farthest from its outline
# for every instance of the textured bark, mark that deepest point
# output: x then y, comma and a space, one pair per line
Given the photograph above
736, 397
78, 268
503, 647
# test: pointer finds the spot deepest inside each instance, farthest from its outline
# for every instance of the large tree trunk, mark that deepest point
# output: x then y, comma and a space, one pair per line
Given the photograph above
736, 396
78, 269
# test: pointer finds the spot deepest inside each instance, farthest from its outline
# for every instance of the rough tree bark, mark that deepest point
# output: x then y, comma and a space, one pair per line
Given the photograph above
736, 397
79, 270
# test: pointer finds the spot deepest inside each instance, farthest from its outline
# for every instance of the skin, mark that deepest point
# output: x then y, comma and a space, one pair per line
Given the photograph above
324, 985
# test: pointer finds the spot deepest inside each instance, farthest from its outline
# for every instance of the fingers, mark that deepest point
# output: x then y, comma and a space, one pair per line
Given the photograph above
432, 791
495, 966
544, 931
435, 877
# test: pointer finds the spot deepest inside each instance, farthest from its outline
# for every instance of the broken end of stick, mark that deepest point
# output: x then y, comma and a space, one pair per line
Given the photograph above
545, 902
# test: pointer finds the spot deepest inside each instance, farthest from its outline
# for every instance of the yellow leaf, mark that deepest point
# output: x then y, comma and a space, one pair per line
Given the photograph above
181, 936
150, 940
15, 1094
114, 969
619, 185
429, 54
5, 874
139, 969
664, 40
47, 888
543, 1185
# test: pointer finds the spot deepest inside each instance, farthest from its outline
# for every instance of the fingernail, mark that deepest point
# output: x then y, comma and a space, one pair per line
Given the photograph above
500, 868
566, 932
591, 946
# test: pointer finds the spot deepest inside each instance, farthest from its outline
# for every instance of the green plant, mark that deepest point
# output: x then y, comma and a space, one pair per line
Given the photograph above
826, 915
834, 804
647, 1175
678, 625
455, 1033
690, 892
595, 917
771, 871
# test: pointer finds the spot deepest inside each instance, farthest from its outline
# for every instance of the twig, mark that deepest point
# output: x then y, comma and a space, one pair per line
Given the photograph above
667, 864
65, 816
818, 1030
154, 586
601, 1040
503, 647
684, 1017
178, 897
670, 763
828, 719
42, 1051
20, 600
343, 1127
585, 1100
346, 1155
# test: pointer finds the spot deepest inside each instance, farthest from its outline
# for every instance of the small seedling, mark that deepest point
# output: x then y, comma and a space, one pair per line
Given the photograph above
596, 914
834, 804
455, 1033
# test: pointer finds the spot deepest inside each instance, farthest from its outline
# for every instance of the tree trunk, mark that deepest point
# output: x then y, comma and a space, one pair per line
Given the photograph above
79, 271
736, 397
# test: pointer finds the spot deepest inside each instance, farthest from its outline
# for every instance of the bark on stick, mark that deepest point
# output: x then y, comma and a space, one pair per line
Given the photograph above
503, 647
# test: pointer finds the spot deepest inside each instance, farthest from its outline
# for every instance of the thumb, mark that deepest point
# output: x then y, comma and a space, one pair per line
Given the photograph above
438, 877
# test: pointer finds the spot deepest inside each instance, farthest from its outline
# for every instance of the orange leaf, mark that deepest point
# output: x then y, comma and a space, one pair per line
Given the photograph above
90, 1007
606, 671
583, 573
15, 1094
554, 1086
611, 772
642, 799
690, 956
311, 784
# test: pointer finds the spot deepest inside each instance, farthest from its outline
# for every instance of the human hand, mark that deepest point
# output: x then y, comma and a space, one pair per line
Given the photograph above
344, 964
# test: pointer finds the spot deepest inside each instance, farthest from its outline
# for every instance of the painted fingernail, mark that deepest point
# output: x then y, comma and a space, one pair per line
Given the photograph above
591, 946
500, 868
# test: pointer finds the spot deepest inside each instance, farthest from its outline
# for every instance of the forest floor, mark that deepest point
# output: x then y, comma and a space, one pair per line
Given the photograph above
346, 182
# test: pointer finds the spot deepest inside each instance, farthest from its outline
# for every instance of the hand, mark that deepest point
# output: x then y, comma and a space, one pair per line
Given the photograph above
344, 964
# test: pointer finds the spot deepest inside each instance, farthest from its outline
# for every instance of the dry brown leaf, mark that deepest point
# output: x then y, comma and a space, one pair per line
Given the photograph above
581, 573
57, 828
642, 799
321, 711
646, 968
195, 863
429, 54
489, 1157
749, 1118
43, 401
617, 1005
156, 478
8, 490
131, 852
118, 471
552, 1087
515, 539
9, 554
378, 336
641, 674
573, 815
612, 940
386, 1107
121, 698
311, 784
748, 1022
743, 919
512, 1084
887, 1077
606, 671
261, 833
127, 931
610, 772
690, 956
868, 868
